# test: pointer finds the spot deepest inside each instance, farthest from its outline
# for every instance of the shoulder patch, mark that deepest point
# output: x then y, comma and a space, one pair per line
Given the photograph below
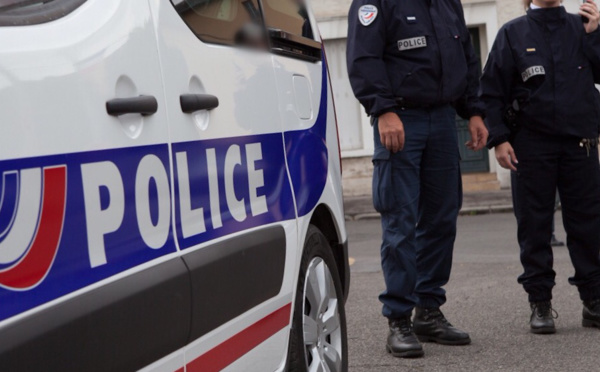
367, 14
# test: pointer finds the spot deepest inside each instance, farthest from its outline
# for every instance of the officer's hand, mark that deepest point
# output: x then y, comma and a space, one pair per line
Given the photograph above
391, 131
506, 156
479, 134
590, 10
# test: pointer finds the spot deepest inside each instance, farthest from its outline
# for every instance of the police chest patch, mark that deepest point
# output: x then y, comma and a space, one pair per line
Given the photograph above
412, 43
367, 14
532, 71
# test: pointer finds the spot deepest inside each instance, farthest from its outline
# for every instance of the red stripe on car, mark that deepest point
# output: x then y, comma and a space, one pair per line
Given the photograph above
231, 350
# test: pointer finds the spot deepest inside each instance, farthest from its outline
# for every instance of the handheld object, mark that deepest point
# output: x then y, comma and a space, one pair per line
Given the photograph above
584, 18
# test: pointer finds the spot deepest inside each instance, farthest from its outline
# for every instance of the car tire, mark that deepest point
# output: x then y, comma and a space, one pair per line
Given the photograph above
318, 340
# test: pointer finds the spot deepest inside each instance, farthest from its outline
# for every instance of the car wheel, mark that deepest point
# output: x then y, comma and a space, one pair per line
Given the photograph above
318, 340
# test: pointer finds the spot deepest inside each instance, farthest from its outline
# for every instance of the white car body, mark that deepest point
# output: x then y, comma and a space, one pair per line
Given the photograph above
98, 208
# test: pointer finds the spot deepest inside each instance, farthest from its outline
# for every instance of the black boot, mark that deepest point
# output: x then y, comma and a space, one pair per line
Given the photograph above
591, 313
432, 326
542, 318
402, 342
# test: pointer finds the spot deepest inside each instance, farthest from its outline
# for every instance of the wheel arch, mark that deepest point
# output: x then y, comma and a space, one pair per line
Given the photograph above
324, 220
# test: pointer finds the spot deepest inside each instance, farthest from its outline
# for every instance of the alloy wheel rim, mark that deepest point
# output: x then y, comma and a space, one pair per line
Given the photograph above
321, 320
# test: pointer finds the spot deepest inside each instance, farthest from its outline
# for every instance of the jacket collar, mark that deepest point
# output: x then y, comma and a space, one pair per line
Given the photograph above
548, 15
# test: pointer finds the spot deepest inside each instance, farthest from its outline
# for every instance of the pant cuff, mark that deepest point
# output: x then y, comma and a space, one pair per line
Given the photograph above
429, 302
540, 297
589, 294
398, 316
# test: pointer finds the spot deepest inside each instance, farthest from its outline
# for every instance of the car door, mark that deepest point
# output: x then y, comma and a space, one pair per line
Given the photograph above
90, 277
234, 209
303, 98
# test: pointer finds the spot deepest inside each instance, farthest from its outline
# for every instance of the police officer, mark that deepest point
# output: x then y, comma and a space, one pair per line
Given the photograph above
412, 66
543, 66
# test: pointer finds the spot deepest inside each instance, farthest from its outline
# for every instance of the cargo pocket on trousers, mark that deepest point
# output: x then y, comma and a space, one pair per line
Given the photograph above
384, 199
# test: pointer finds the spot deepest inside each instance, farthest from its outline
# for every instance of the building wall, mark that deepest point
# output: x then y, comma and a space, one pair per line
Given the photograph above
325, 9
508, 10
328, 9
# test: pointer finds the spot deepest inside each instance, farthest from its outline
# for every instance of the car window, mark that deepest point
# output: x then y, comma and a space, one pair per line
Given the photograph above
227, 22
290, 30
290, 16
32, 12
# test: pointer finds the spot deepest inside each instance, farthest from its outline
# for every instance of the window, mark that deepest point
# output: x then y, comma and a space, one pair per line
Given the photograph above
240, 23
289, 16
32, 12
227, 22
290, 29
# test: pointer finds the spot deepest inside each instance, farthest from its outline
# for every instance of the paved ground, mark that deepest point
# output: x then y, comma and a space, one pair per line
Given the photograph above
484, 299
361, 207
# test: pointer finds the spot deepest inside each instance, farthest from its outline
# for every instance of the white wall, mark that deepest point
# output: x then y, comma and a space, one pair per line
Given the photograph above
484, 15
352, 118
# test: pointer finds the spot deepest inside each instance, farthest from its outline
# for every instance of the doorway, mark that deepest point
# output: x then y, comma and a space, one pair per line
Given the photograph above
472, 162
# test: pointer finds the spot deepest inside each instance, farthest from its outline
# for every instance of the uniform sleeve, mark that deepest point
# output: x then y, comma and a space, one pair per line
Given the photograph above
591, 48
469, 104
495, 91
366, 66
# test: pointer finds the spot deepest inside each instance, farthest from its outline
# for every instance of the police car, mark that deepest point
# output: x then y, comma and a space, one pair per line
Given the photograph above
170, 188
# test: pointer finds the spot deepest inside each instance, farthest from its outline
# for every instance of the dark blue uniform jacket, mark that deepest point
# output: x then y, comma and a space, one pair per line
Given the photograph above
419, 50
547, 63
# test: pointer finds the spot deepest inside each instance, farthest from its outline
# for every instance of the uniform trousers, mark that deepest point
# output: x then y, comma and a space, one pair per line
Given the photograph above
418, 192
546, 163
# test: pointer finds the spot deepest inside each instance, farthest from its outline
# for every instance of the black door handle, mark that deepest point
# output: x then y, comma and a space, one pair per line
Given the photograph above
191, 103
144, 105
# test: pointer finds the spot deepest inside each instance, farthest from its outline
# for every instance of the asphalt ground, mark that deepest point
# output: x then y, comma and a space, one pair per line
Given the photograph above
499, 201
484, 299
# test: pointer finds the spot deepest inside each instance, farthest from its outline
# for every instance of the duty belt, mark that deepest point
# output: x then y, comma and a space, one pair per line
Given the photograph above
412, 105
